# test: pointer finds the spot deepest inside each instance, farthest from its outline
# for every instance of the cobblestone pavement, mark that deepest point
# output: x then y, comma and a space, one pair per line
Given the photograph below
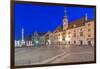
76, 54
31, 55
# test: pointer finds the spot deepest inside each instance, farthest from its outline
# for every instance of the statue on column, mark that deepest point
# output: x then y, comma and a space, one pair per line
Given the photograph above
22, 40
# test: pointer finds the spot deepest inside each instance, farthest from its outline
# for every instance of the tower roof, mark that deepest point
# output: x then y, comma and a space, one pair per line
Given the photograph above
22, 29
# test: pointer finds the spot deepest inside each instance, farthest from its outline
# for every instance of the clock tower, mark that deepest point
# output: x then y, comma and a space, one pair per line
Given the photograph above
65, 20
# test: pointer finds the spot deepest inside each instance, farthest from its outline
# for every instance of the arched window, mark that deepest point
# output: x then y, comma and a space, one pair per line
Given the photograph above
74, 42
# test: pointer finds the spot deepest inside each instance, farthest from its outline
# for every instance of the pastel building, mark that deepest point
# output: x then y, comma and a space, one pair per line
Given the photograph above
78, 32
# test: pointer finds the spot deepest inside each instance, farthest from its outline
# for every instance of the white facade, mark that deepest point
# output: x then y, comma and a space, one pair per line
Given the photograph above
18, 43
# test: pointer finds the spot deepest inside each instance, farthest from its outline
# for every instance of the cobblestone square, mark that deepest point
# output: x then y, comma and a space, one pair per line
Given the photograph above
49, 55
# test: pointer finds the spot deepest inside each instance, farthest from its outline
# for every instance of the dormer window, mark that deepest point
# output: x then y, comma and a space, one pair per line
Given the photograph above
89, 24
89, 30
80, 29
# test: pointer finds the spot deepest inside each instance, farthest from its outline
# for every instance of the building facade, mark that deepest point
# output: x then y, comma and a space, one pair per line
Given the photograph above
79, 32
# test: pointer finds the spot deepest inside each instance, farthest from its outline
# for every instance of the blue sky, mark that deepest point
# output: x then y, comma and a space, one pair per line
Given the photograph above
42, 18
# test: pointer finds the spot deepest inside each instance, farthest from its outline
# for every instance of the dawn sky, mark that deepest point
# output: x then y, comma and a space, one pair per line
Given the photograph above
42, 18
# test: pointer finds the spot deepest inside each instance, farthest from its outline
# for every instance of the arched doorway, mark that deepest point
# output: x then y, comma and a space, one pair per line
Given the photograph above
89, 43
81, 42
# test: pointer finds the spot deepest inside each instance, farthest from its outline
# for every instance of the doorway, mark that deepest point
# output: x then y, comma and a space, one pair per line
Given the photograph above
81, 42
89, 43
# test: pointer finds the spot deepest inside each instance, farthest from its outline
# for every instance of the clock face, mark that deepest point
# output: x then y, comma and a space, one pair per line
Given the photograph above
64, 20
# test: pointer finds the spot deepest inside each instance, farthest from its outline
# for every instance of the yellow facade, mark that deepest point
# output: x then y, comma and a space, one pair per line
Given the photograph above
82, 34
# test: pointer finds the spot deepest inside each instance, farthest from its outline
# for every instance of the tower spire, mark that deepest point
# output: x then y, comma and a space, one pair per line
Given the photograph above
86, 17
65, 20
65, 12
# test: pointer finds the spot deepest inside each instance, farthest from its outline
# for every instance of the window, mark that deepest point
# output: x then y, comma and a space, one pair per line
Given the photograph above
89, 35
89, 43
80, 29
89, 30
81, 33
59, 34
74, 42
74, 31
69, 42
68, 32
81, 42
63, 38
89, 24
63, 33
64, 30
74, 34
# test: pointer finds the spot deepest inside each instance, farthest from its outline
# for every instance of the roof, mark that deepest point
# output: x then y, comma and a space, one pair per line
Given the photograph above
77, 23
47, 33
90, 20
59, 28
41, 33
